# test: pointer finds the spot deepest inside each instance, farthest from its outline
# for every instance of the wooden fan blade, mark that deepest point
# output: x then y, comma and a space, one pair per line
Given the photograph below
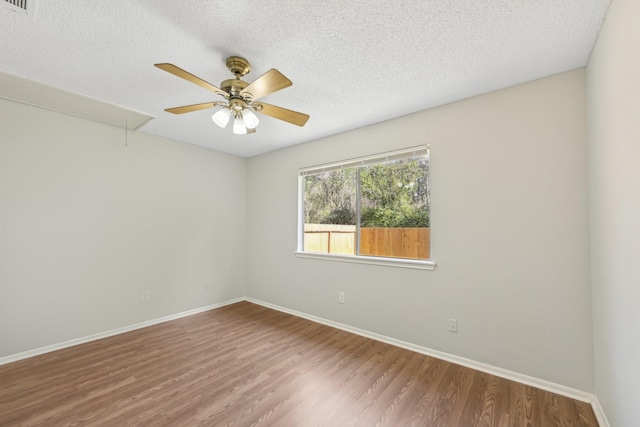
271, 81
177, 71
280, 113
190, 108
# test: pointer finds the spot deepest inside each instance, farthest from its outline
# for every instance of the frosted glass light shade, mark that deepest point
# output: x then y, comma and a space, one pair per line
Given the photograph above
250, 119
221, 117
239, 127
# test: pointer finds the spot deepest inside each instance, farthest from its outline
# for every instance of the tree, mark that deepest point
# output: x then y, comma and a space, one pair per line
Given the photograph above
330, 197
393, 194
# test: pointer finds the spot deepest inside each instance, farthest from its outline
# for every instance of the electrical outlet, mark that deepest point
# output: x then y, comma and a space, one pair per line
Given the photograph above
145, 296
453, 326
206, 286
341, 297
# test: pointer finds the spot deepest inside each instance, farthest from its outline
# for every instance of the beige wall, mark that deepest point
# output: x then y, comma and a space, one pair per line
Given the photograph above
87, 224
509, 233
614, 183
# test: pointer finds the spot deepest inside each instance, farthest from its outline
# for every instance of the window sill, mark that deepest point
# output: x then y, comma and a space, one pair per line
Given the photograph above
389, 262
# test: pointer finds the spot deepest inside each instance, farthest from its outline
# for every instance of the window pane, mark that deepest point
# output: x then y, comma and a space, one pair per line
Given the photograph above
374, 206
394, 217
330, 212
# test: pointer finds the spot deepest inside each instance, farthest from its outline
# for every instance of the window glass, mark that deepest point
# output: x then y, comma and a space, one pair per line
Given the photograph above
330, 214
377, 206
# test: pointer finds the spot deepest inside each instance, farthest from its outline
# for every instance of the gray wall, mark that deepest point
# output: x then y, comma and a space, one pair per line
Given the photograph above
87, 224
614, 165
509, 233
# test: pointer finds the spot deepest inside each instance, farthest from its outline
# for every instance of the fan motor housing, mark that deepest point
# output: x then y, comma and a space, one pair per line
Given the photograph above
233, 86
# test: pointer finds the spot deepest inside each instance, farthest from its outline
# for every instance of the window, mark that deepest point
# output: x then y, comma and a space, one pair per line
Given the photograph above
373, 209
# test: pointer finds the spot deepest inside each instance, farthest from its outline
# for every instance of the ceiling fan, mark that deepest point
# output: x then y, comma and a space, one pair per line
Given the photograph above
240, 97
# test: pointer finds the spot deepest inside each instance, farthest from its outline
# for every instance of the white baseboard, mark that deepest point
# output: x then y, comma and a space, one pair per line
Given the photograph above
597, 409
493, 370
82, 340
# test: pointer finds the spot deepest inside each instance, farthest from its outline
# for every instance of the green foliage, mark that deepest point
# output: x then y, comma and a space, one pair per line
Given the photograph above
393, 194
330, 198
340, 216
388, 217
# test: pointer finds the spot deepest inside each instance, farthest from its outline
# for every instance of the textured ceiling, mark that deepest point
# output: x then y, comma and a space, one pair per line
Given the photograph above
352, 63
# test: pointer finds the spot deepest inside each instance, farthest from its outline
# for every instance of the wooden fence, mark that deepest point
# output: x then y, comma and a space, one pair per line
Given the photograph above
412, 243
396, 242
330, 238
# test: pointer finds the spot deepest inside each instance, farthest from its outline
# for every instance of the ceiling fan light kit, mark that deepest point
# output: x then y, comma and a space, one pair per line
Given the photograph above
240, 97
239, 128
221, 117
250, 119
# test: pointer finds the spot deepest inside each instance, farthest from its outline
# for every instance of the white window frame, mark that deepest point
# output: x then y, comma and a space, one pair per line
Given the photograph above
359, 259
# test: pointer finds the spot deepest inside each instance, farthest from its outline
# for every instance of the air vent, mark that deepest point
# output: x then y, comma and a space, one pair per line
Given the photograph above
22, 4
25, 7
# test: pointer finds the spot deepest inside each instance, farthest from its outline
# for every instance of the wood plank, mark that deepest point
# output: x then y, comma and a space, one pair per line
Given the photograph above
413, 243
247, 365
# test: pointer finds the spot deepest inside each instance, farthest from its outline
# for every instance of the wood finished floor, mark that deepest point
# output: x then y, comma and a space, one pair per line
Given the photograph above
247, 365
